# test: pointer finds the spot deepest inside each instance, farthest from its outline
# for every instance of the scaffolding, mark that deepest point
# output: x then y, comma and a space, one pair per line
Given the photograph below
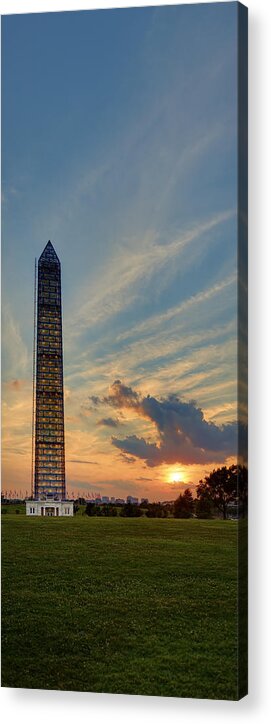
48, 438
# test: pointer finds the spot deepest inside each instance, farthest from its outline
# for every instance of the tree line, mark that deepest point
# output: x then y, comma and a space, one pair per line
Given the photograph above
223, 492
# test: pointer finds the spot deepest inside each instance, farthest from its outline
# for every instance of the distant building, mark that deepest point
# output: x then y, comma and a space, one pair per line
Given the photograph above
120, 501
131, 499
144, 501
49, 497
105, 499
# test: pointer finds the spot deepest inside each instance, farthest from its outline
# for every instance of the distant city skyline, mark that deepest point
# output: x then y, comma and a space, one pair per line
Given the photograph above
120, 145
11, 495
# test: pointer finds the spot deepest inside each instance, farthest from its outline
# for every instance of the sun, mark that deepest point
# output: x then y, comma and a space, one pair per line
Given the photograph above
175, 477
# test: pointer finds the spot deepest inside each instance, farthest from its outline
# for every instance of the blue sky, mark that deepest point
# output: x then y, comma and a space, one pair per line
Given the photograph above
119, 145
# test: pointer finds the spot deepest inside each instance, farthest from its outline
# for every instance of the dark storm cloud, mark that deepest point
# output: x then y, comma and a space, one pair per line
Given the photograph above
108, 422
184, 434
127, 459
120, 396
95, 400
138, 447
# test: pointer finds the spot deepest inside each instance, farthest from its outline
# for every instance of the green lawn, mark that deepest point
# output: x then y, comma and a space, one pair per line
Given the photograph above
134, 606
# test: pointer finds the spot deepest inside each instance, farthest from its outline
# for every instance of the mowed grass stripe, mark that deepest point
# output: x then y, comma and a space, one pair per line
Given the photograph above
139, 606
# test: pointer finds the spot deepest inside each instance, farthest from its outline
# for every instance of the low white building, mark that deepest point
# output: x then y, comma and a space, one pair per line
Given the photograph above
49, 508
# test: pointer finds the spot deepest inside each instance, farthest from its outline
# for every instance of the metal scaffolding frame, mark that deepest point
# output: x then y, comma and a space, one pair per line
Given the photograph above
48, 398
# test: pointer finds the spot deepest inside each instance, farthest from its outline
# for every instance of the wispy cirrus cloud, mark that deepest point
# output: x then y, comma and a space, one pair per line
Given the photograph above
15, 353
169, 361
83, 462
134, 263
155, 321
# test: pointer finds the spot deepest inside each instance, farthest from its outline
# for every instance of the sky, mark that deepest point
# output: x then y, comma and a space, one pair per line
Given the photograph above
119, 144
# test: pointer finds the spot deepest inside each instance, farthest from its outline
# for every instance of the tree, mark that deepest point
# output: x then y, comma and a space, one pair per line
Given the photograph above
91, 509
225, 486
156, 510
81, 501
184, 505
130, 510
203, 508
109, 510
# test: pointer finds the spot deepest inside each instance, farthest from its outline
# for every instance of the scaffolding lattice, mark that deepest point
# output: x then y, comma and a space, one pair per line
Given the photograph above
49, 474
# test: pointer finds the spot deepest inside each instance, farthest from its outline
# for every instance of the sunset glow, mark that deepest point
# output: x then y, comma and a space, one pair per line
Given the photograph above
132, 177
175, 477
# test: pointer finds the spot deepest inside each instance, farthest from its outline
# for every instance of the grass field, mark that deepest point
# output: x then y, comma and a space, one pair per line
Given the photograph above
134, 606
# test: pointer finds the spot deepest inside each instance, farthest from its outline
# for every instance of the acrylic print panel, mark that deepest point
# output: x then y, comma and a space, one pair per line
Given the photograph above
124, 395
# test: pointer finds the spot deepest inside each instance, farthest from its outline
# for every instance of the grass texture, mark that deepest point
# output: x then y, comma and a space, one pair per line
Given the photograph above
117, 605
